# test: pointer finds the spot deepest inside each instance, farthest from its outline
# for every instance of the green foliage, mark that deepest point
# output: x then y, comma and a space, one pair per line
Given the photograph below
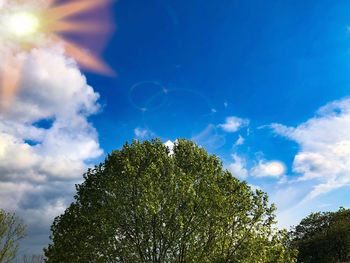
11, 231
323, 237
144, 204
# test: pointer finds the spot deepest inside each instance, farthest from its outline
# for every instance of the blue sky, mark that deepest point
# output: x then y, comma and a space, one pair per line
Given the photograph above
270, 62
261, 84
184, 67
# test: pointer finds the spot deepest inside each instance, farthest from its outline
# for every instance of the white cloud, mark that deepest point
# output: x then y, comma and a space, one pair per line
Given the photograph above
170, 145
213, 138
324, 142
268, 169
44, 163
233, 124
238, 167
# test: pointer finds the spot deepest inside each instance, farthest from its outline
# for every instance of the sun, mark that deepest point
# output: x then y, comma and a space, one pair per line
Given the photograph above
276, 168
26, 25
23, 24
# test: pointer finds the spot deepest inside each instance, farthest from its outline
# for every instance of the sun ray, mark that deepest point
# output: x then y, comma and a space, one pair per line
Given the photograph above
50, 2
74, 8
24, 27
78, 27
86, 59
9, 81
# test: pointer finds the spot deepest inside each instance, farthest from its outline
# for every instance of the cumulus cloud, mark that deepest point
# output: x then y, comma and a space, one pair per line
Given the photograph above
39, 164
324, 142
238, 167
233, 124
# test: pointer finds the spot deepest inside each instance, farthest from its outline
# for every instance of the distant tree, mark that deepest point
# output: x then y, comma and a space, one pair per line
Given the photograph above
145, 204
11, 231
31, 259
323, 237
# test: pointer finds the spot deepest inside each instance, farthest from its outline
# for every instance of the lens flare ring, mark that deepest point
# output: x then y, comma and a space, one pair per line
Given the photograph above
150, 90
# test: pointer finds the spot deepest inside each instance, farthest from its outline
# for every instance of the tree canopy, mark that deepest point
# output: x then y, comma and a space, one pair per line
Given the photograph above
323, 237
11, 231
147, 204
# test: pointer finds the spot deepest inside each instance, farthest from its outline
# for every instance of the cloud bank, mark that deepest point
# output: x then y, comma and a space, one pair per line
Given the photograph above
324, 147
46, 141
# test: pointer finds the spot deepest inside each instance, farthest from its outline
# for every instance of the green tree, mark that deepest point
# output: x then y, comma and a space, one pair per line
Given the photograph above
145, 204
323, 237
11, 231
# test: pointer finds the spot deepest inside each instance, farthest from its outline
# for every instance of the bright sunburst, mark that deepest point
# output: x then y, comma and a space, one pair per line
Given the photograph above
26, 24
22, 24
276, 168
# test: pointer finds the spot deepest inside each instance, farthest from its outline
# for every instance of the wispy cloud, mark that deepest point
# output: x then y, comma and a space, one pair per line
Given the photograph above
210, 138
142, 133
240, 141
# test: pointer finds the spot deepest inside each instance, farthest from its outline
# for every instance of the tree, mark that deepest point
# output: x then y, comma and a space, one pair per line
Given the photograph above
147, 204
323, 237
31, 259
11, 231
